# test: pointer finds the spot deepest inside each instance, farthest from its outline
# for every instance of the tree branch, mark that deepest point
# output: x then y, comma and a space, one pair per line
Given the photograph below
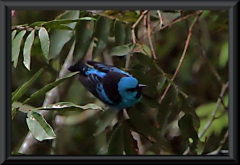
182, 57
224, 88
30, 145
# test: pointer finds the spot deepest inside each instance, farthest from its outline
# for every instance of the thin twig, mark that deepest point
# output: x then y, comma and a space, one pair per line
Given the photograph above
149, 37
186, 151
215, 152
182, 57
27, 28
212, 69
224, 88
160, 19
155, 29
171, 82
135, 24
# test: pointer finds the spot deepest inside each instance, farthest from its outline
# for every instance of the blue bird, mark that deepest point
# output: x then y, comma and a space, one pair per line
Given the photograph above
114, 87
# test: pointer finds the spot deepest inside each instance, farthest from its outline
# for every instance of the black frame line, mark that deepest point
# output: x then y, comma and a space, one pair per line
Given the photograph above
5, 71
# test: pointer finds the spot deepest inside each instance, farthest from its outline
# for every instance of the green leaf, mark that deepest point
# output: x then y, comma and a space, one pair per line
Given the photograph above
69, 106
119, 50
101, 34
59, 38
27, 50
205, 113
84, 35
14, 33
38, 126
14, 112
44, 40
167, 106
146, 50
188, 132
168, 17
23, 108
116, 142
223, 57
66, 21
130, 144
16, 43
144, 59
87, 19
21, 90
119, 32
141, 123
48, 87
105, 120
205, 109
60, 27
144, 127
128, 32
40, 23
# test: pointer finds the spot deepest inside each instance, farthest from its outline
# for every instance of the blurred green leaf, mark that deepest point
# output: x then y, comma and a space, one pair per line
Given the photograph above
16, 43
142, 124
23, 108
66, 21
48, 87
84, 36
119, 33
22, 89
101, 34
161, 82
14, 33
60, 27
150, 131
168, 17
38, 126
39, 23
145, 49
130, 144
167, 106
205, 109
223, 57
185, 105
116, 142
27, 50
188, 132
105, 120
221, 22
144, 59
44, 41
14, 112
121, 50
59, 38
205, 114
69, 106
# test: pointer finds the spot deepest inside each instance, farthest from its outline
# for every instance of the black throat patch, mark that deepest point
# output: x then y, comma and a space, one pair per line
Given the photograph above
110, 85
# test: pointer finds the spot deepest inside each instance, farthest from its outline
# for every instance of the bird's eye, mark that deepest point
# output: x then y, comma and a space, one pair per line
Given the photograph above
132, 89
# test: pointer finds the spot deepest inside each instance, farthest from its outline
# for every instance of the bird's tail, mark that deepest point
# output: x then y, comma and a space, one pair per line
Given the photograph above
79, 66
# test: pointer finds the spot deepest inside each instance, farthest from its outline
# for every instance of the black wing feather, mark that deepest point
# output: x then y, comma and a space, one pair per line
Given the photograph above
93, 83
100, 66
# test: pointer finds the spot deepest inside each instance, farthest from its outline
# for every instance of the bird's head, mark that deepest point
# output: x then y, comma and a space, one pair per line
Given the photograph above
129, 88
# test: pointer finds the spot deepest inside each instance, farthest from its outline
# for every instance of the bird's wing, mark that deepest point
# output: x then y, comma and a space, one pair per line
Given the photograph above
106, 68
93, 83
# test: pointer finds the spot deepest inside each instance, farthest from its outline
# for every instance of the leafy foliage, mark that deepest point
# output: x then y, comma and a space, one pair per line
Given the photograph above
168, 120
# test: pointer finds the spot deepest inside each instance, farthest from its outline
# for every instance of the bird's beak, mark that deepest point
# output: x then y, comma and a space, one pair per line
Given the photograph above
142, 85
